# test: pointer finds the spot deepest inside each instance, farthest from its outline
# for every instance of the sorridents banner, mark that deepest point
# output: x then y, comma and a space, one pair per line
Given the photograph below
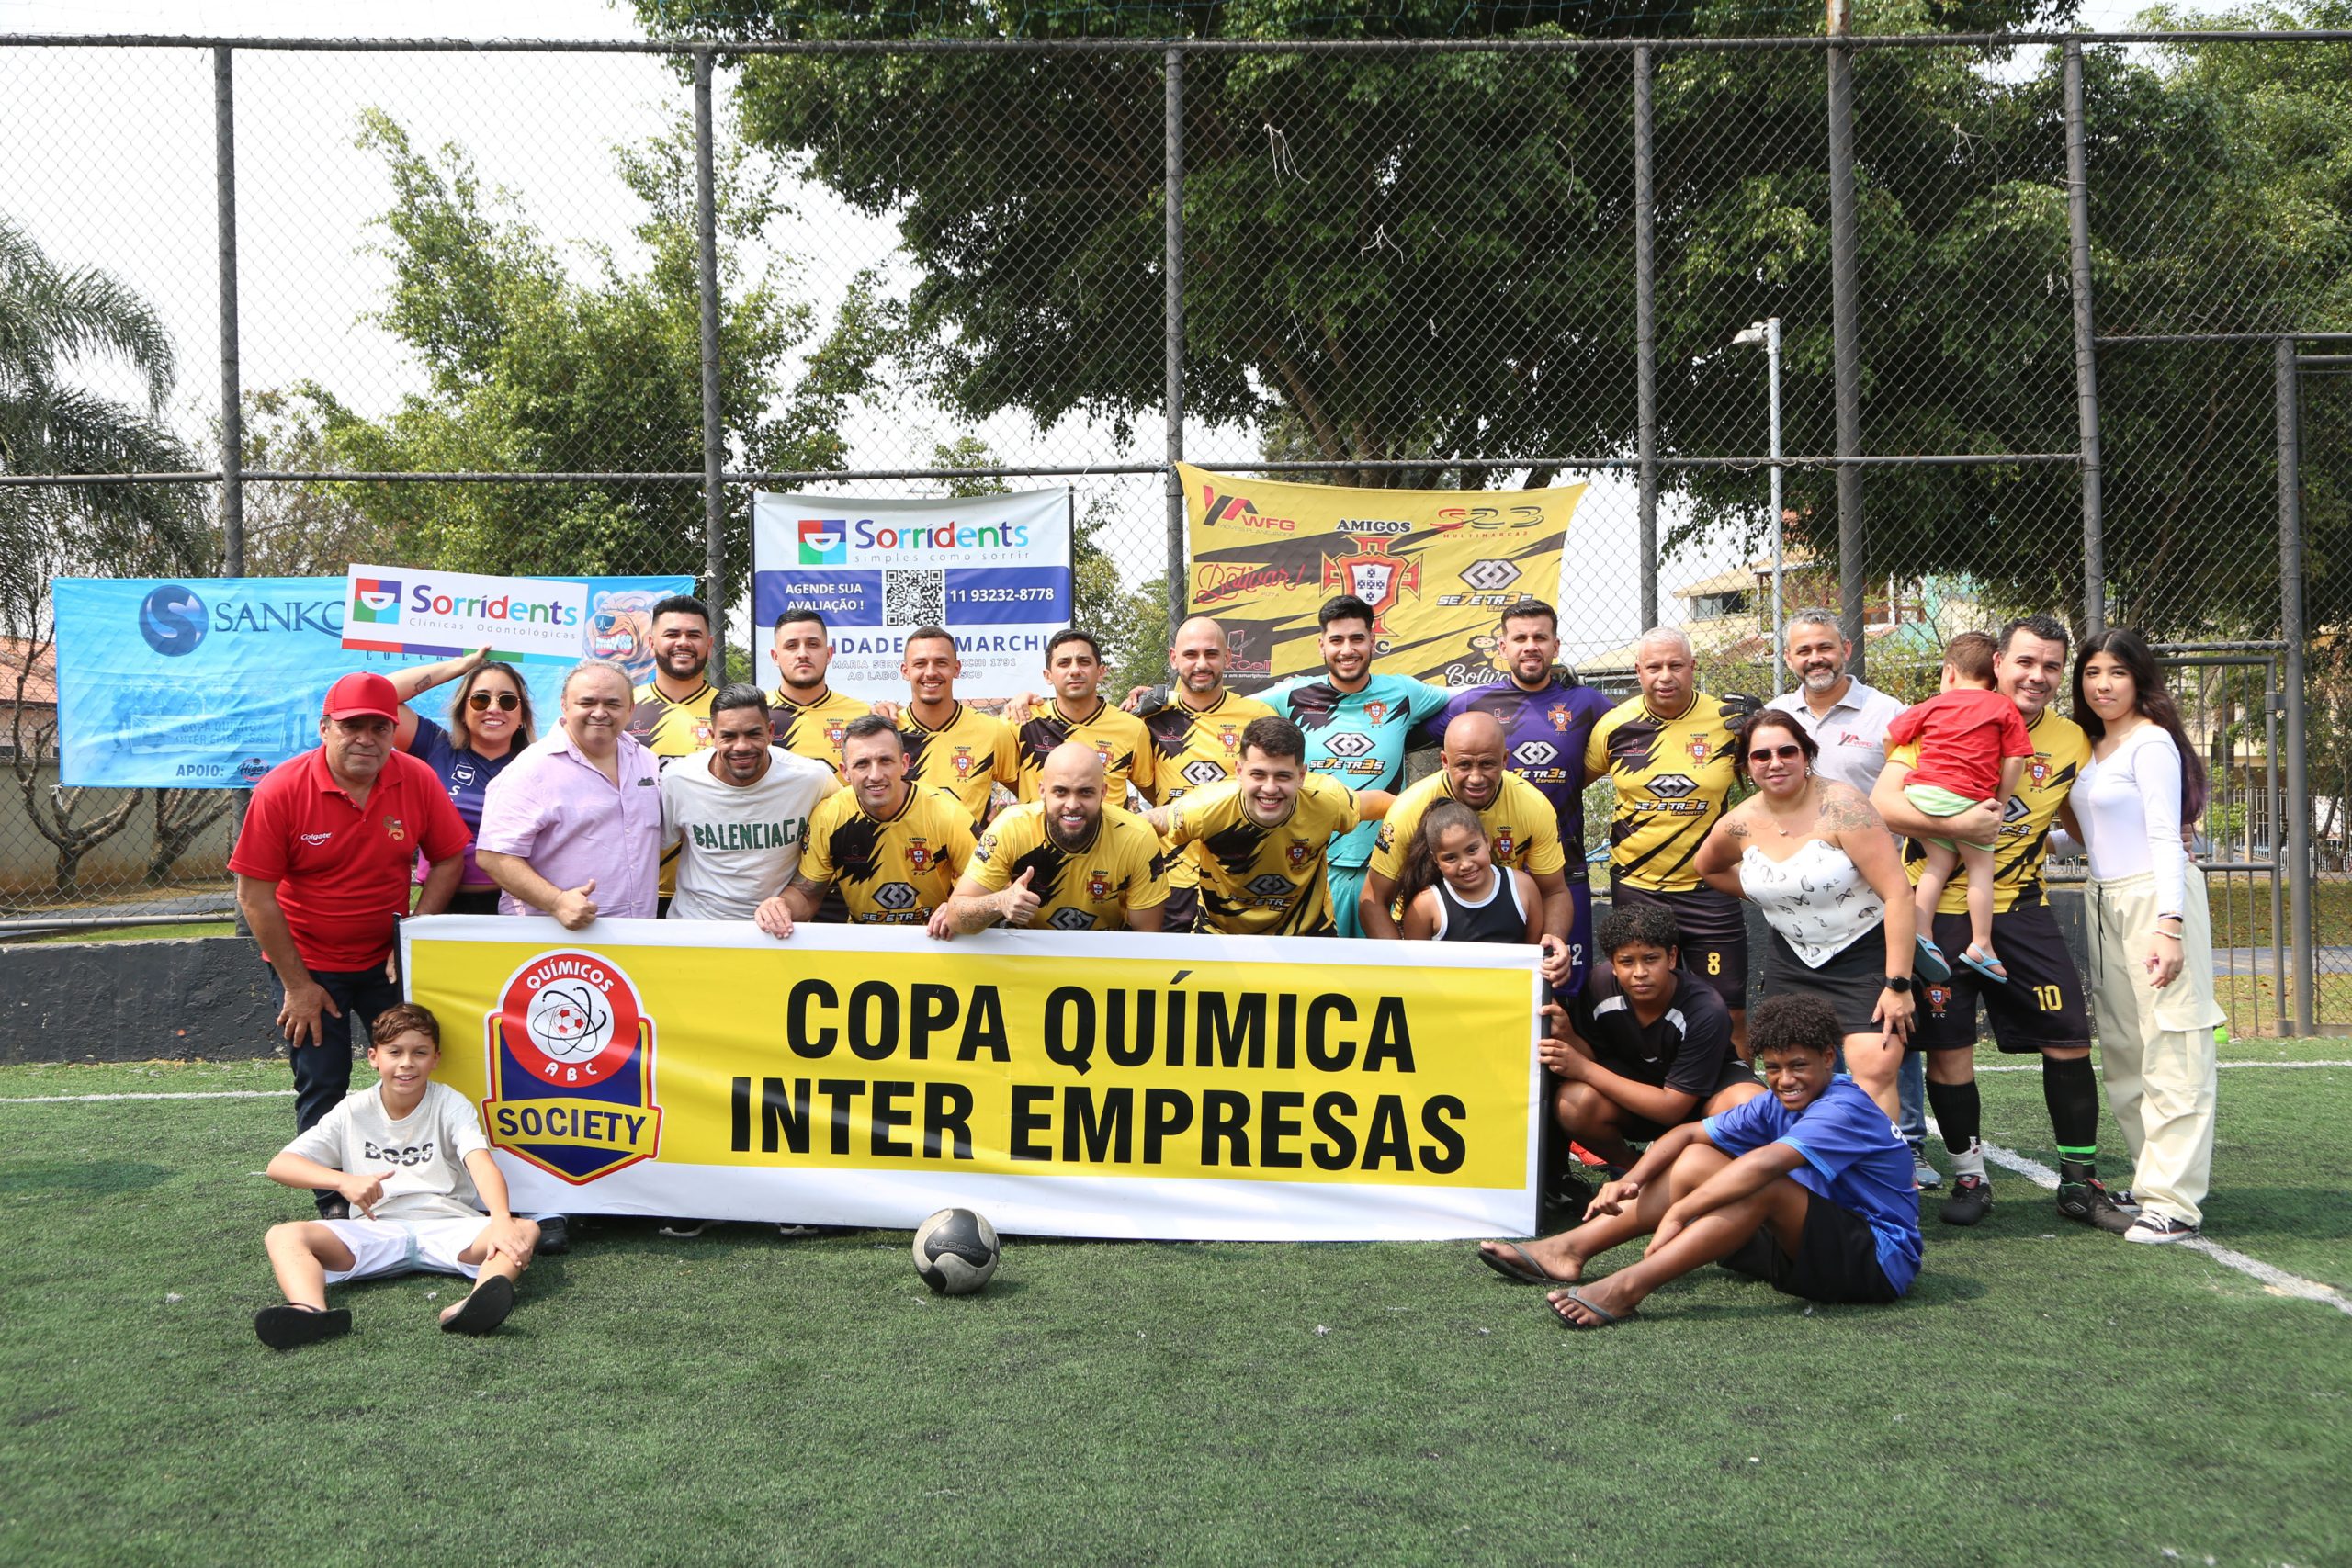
211, 684
1189, 1087
994, 569
1434, 565
433, 614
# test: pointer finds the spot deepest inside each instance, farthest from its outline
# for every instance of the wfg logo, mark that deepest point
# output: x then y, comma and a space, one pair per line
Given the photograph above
572, 1068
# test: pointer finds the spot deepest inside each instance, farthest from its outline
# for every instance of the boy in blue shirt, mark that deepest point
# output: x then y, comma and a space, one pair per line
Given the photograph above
1807, 1188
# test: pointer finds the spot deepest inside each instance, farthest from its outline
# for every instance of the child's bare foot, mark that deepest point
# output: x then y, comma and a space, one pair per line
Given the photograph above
483, 1309
1600, 1304
1535, 1262
283, 1327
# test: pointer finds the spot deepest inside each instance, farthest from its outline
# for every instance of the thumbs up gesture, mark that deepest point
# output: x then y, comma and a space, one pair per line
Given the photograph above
1020, 903
574, 908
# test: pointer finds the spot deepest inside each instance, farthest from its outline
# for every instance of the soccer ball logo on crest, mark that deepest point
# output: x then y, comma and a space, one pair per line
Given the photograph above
570, 1023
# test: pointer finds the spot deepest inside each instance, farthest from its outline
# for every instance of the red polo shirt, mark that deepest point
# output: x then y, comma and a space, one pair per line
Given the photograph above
343, 871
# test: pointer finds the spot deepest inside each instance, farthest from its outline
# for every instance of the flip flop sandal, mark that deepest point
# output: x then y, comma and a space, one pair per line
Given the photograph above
1527, 1271
1988, 968
283, 1328
1929, 964
485, 1309
1608, 1319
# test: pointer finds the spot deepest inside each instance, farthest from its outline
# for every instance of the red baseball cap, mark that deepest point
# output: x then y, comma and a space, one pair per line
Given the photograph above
363, 693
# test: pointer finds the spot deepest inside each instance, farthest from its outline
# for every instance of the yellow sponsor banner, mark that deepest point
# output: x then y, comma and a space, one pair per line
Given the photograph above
1435, 566
793, 1075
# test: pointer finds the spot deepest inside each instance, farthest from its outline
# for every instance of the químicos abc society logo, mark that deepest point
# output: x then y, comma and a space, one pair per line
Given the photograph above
170, 620
571, 1058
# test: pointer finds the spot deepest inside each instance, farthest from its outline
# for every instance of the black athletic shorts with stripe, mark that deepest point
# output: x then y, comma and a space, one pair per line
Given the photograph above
1714, 935
2041, 1008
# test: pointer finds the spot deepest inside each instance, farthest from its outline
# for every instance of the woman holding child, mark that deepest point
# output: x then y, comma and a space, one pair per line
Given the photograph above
1815, 858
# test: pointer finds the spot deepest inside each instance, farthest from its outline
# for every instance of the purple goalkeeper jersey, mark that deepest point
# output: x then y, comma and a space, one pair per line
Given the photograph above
1544, 733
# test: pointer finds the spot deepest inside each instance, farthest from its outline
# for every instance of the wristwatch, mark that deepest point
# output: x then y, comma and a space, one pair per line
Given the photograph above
1898, 984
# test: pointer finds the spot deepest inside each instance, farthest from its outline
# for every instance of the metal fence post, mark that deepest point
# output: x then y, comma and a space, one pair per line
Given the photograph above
714, 440
233, 419
2291, 630
1845, 319
1172, 266
1645, 331
2078, 245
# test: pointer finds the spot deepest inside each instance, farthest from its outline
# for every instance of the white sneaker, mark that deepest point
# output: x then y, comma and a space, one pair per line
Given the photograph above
2124, 1200
2154, 1230
1922, 1173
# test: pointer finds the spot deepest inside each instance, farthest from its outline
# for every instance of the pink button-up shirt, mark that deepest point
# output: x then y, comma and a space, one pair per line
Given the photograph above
552, 808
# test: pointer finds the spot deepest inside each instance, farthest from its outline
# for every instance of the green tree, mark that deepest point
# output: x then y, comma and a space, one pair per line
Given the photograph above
532, 369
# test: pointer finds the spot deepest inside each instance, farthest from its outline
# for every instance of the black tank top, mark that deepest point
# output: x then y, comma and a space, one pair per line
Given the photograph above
1499, 919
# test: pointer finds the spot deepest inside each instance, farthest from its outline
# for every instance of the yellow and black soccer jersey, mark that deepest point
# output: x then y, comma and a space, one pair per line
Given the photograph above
1521, 828
1196, 748
1122, 868
669, 728
1119, 738
1673, 776
1260, 881
2059, 750
967, 756
815, 731
892, 873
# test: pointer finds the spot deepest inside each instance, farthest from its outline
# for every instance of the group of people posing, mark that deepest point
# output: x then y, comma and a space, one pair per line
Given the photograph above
1190, 808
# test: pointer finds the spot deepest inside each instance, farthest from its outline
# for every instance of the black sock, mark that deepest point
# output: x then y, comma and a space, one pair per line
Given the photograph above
1960, 1113
2072, 1094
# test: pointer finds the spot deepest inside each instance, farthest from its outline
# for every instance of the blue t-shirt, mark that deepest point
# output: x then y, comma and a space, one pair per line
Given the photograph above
1544, 733
465, 774
1357, 738
1853, 1157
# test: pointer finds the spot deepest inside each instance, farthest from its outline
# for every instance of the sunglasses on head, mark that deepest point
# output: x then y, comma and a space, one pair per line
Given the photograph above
1772, 752
480, 700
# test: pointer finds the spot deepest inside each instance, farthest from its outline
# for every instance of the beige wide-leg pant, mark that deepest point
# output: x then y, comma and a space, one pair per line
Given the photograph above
2156, 1046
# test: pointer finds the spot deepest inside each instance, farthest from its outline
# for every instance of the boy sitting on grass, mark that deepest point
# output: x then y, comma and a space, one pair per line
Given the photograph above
400, 1154
1807, 1186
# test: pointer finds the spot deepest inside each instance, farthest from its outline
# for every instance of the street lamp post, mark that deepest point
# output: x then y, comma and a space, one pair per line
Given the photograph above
1767, 333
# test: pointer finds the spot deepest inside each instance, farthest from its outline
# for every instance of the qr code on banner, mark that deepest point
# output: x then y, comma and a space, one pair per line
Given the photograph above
916, 598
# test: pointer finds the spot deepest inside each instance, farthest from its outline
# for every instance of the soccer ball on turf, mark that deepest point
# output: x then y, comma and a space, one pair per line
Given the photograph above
955, 1252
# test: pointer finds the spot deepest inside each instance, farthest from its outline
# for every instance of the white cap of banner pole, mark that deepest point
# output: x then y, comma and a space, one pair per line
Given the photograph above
1767, 333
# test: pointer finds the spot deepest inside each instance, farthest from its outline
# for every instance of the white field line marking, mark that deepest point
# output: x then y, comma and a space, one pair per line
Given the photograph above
189, 1094
2277, 1280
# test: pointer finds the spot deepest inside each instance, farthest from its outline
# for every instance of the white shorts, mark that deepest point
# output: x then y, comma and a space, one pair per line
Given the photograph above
405, 1246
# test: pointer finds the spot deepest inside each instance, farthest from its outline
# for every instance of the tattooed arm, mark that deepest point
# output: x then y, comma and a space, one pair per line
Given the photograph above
1717, 862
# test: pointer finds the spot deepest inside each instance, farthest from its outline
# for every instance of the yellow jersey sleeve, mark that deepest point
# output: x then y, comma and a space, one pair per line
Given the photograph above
816, 731
1540, 850
1404, 820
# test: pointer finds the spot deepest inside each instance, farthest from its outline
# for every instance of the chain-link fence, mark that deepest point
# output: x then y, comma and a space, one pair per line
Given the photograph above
1995, 320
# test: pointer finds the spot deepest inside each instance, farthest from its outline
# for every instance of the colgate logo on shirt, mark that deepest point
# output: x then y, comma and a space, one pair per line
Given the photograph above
315, 840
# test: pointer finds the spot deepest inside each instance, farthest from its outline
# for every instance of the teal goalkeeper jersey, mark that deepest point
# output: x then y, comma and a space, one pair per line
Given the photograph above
1357, 738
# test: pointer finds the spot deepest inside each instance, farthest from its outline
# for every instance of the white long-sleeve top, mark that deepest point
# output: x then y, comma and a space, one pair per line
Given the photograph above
2129, 806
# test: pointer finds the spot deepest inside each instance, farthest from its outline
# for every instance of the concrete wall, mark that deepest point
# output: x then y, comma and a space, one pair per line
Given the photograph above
28, 862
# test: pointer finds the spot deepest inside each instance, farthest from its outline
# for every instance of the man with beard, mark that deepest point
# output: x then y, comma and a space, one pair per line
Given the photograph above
1547, 717
735, 816
1195, 727
672, 715
811, 718
1520, 826
1667, 749
1358, 725
1263, 835
949, 745
2040, 1010
893, 852
1848, 721
1065, 859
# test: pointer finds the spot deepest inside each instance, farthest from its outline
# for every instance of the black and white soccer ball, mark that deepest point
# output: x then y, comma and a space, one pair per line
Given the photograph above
955, 1252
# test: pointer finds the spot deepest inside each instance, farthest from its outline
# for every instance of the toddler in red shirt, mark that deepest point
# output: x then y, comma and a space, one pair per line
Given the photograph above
1973, 751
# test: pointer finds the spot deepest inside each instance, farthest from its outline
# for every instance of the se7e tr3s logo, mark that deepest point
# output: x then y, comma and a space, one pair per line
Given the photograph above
572, 1068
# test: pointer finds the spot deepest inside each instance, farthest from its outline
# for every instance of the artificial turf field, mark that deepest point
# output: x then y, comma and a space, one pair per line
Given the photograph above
2046, 1394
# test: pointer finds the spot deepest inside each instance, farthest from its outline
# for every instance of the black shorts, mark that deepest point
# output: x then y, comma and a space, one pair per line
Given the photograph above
1714, 935
1641, 1130
2039, 1009
1182, 911
1836, 1258
1850, 983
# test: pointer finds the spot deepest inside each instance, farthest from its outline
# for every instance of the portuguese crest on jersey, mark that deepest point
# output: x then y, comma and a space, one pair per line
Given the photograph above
571, 1057
919, 856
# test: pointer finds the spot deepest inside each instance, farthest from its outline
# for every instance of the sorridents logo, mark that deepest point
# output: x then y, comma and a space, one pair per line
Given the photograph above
376, 601
1238, 512
824, 541
171, 619
571, 1054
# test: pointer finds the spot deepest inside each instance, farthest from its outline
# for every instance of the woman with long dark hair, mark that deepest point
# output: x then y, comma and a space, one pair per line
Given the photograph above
489, 723
2151, 938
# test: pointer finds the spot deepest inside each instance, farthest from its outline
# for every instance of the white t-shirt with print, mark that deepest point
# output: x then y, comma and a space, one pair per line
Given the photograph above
426, 1151
737, 845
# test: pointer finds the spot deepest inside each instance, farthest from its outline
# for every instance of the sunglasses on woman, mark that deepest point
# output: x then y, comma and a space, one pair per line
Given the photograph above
1771, 753
480, 700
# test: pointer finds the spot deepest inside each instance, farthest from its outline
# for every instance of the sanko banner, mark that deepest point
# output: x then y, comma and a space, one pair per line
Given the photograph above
1434, 565
1096, 1085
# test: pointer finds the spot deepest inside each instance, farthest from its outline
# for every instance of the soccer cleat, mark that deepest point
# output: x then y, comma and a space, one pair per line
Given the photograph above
2154, 1230
283, 1328
1924, 1175
2122, 1199
555, 1237
1970, 1201
2087, 1202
